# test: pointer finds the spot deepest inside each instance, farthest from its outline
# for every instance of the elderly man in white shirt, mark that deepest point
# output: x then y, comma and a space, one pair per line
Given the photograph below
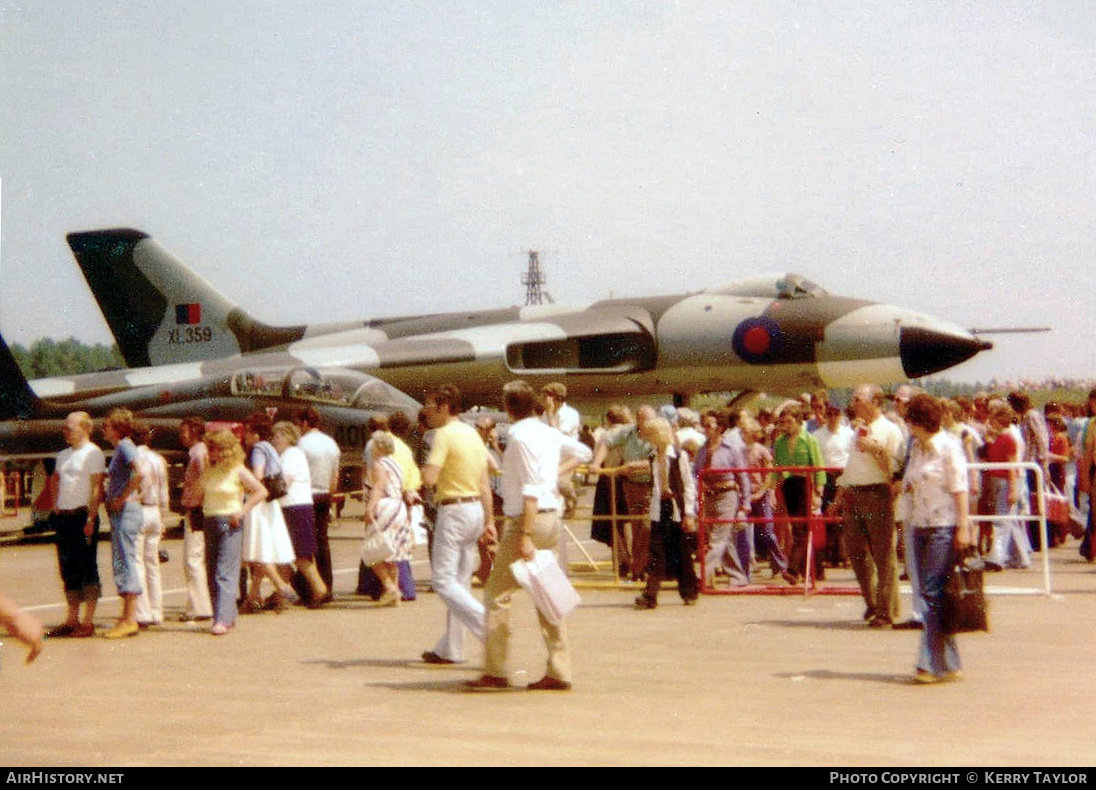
557, 412
535, 458
864, 496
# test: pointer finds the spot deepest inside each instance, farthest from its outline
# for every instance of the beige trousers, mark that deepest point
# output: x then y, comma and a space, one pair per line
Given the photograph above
498, 595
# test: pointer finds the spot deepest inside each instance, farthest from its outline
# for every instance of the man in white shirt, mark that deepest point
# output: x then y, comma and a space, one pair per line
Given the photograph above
323, 456
536, 457
78, 482
557, 412
835, 439
864, 496
566, 419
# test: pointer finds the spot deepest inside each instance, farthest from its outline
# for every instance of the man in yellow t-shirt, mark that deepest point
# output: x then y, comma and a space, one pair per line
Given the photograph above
457, 471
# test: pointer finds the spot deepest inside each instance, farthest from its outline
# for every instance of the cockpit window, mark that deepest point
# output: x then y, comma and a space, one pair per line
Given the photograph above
793, 286
772, 286
257, 382
336, 387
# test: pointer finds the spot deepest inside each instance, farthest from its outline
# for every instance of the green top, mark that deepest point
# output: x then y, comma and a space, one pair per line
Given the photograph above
805, 451
632, 449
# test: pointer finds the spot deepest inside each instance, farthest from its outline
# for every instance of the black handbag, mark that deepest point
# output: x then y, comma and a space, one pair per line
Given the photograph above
275, 486
963, 608
274, 482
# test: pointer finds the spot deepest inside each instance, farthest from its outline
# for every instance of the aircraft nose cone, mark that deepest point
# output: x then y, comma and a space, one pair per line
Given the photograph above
926, 351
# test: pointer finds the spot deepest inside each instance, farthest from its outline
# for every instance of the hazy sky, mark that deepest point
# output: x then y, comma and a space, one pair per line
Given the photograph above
337, 160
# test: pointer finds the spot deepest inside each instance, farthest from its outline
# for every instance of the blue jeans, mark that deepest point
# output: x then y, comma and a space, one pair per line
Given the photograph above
1011, 547
935, 551
224, 546
124, 528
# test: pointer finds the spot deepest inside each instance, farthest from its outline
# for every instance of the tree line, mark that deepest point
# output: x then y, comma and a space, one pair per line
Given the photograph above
47, 357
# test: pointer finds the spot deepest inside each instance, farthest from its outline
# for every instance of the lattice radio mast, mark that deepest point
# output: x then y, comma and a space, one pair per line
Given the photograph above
533, 279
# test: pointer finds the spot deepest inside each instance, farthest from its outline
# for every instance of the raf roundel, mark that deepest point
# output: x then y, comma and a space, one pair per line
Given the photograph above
757, 340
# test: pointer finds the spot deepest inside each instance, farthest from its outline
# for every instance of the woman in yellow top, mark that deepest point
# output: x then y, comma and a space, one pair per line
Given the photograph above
230, 492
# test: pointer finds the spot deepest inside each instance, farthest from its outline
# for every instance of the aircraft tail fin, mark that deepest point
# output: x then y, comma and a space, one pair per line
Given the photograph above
17, 399
158, 309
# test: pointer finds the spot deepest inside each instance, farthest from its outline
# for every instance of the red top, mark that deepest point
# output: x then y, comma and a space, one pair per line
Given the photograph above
1003, 450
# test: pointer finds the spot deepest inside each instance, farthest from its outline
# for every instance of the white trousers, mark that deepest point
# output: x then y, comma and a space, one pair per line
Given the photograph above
198, 603
150, 603
454, 560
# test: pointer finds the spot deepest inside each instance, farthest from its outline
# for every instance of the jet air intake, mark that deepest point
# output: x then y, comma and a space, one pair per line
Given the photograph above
596, 341
604, 354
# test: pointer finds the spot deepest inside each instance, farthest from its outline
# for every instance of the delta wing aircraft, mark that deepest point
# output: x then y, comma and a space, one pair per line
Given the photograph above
779, 333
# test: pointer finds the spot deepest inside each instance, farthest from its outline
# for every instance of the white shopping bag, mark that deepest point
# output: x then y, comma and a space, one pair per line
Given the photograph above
550, 589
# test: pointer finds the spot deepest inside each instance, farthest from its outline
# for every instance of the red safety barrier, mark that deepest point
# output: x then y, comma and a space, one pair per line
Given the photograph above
816, 523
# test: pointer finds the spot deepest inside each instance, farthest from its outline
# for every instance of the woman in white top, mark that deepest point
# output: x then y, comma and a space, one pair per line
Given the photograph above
934, 504
297, 508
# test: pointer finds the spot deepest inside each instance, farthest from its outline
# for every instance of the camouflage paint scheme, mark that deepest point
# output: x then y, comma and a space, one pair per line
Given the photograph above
779, 333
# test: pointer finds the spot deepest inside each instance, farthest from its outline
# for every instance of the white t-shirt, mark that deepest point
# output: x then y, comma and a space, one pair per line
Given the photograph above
75, 468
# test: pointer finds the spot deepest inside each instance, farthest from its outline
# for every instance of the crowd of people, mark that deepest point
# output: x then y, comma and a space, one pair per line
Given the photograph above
892, 477
882, 484
248, 504
257, 506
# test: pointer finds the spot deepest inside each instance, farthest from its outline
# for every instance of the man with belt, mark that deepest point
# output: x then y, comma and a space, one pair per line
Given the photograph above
864, 497
635, 481
536, 457
726, 499
457, 471
78, 483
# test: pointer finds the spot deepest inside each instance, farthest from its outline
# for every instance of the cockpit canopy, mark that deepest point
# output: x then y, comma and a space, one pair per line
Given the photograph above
772, 286
331, 386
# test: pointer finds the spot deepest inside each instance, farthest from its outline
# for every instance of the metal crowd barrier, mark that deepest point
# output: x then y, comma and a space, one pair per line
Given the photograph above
1040, 516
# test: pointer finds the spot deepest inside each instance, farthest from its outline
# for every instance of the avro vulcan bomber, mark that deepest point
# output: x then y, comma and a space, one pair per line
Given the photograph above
777, 333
